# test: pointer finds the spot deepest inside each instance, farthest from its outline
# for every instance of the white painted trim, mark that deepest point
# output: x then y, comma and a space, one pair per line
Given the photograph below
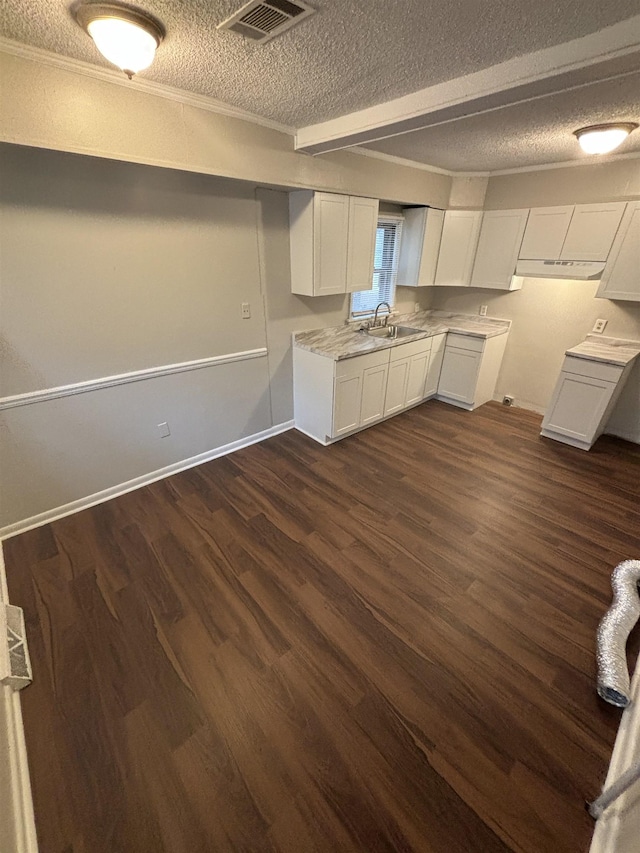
626, 750
144, 480
126, 378
593, 160
411, 164
542, 71
76, 66
21, 803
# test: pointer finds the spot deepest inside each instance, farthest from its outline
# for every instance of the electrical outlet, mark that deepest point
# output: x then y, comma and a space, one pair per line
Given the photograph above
246, 311
163, 430
416, 307
598, 326
483, 310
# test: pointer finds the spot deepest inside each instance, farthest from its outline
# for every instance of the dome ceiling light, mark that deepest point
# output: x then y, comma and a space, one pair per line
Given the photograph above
603, 138
126, 37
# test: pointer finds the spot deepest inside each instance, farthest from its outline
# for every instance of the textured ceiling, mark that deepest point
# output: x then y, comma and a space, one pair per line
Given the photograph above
528, 134
352, 54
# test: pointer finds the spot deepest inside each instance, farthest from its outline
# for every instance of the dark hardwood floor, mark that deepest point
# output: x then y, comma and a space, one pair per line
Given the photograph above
385, 645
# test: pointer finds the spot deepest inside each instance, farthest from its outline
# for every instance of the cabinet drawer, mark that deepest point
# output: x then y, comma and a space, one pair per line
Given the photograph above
358, 363
410, 349
465, 342
593, 369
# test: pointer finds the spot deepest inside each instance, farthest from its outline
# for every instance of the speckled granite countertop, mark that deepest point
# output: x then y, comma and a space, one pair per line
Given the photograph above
338, 342
609, 350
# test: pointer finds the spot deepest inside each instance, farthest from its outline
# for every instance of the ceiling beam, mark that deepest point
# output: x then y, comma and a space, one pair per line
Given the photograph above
611, 52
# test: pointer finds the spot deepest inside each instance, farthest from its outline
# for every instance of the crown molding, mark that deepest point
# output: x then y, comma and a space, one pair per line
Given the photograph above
148, 87
594, 160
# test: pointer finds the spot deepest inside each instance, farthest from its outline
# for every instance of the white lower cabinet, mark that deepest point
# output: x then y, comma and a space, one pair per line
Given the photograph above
583, 399
470, 369
333, 399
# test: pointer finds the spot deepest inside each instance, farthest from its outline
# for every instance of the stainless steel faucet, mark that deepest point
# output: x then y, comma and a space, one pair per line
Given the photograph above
375, 316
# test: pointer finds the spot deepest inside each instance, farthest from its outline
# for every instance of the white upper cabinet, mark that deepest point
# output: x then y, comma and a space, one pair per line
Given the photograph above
363, 222
458, 247
421, 235
592, 231
621, 276
332, 242
500, 239
544, 235
583, 232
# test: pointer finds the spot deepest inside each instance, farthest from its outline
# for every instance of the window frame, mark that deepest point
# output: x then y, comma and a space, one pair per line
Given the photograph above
383, 219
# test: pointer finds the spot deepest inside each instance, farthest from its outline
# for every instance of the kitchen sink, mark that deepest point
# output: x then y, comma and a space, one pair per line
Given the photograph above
393, 332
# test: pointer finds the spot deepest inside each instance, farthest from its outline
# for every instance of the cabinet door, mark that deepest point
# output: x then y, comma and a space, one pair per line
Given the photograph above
578, 405
330, 240
621, 276
459, 374
545, 233
421, 235
374, 386
397, 386
346, 403
500, 240
435, 365
592, 231
458, 247
363, 222
418, 366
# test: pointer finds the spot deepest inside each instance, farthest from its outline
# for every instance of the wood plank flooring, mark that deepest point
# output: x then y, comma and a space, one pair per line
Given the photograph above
385, 645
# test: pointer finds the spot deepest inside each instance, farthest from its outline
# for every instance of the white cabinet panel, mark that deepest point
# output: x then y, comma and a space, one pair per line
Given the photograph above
435, 365
592, 231
621, 276
363, 221
418, 366
374, 385
397, 386
421, 236
500, 240
347, 401
458, 247
545, 233
578, 405
459, 374
330, 240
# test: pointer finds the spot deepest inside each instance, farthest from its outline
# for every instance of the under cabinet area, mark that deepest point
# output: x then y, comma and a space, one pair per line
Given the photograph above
470, 368
332, 242
621, 276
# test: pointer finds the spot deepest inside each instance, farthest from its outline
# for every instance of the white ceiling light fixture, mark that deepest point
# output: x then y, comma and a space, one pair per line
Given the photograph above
126, 37
603, 138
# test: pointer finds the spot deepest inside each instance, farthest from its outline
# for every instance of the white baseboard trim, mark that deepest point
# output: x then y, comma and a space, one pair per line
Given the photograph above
17, 803
144, 480
634, 438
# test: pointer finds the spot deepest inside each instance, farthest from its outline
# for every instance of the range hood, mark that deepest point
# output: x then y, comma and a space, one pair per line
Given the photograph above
585, 270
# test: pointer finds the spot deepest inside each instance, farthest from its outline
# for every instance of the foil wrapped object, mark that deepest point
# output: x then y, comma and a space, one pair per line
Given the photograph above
613, 631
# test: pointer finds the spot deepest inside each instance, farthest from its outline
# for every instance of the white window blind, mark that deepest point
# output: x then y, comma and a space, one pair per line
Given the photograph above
385, 268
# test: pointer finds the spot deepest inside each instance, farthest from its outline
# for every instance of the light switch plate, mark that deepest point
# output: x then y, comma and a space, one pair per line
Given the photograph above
163, 430
599, 326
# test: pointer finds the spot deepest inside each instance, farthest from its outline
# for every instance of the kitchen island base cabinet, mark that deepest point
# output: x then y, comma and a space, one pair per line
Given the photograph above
470, 368
582, 401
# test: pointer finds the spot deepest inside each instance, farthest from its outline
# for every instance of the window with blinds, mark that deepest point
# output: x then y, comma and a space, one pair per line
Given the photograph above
385, 268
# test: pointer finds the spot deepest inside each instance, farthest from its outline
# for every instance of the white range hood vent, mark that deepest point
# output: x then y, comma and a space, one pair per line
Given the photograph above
584, 270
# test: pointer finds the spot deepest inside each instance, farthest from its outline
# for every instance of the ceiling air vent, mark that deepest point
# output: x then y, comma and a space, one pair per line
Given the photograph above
261, 21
